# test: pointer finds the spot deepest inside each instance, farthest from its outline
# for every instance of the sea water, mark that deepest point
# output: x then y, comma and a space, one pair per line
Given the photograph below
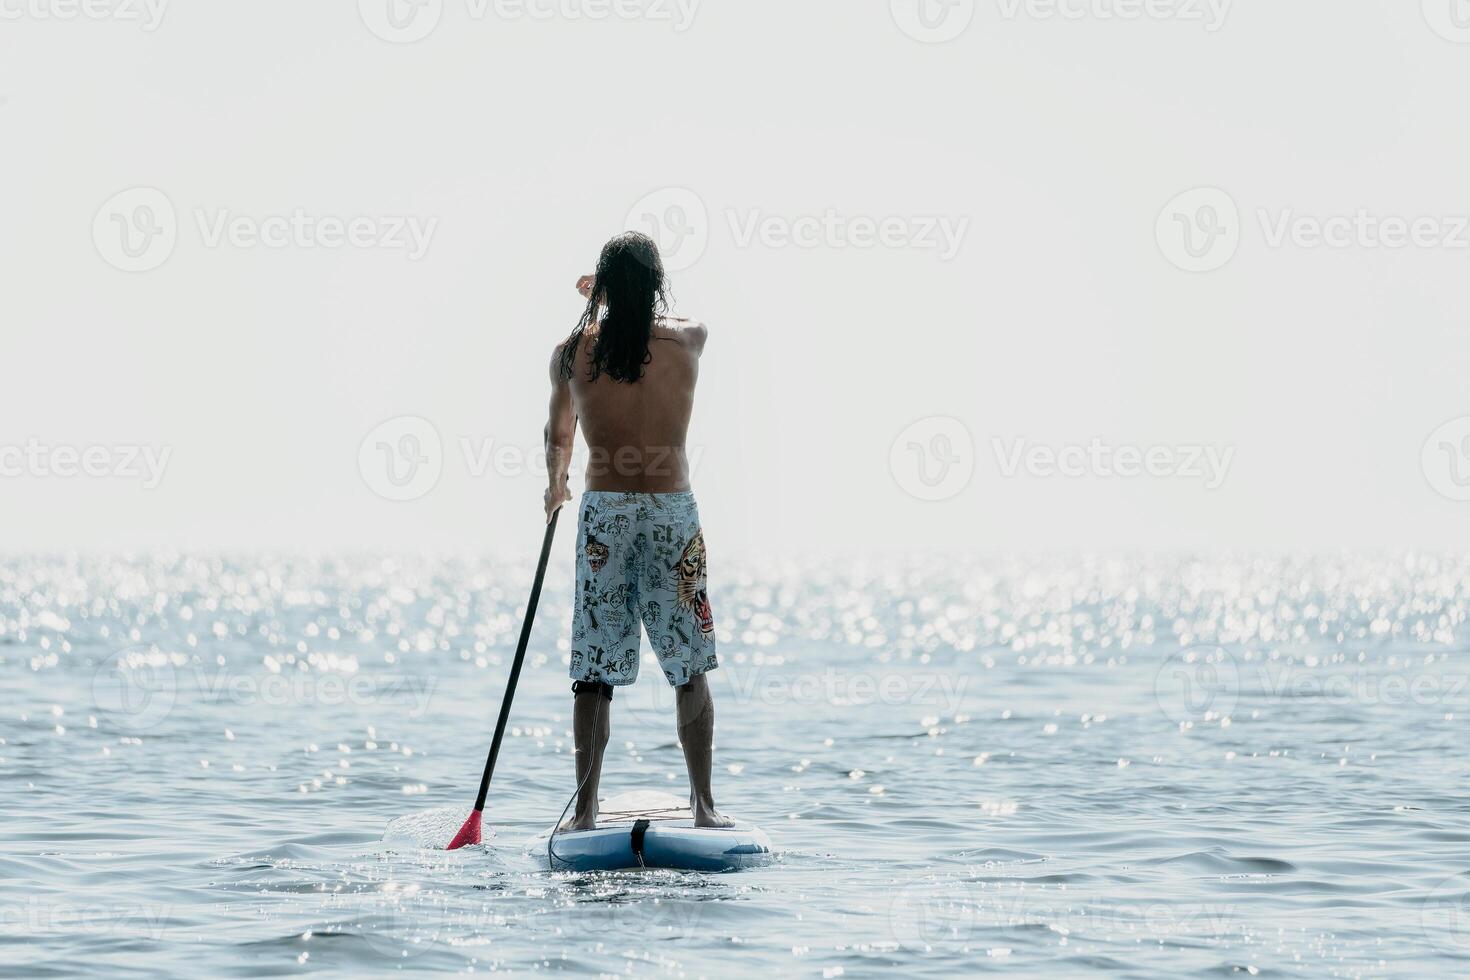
1054, 767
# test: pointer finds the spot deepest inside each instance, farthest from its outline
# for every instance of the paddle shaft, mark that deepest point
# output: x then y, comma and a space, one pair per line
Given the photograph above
515, 667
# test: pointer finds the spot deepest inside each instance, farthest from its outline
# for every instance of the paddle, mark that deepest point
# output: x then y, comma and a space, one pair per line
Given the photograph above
470, 832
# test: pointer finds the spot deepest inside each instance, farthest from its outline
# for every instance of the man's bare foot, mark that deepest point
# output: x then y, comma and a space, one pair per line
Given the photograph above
578, 821
705, 815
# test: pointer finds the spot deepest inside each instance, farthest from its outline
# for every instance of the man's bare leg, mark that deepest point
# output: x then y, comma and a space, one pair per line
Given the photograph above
591, 725
696, 711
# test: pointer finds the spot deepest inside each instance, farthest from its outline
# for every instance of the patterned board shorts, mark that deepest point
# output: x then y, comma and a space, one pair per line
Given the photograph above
640, 559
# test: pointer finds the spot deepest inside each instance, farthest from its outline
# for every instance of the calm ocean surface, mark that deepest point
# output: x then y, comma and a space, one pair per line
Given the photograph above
1050, 768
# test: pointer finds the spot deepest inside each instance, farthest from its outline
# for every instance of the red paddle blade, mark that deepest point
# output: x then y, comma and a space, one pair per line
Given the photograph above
468, 834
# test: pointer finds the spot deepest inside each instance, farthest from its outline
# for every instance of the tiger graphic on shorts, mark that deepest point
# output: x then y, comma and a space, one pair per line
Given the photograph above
693, 592
597, 554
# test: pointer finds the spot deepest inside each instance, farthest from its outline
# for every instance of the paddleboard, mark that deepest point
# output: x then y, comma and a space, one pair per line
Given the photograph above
650, 829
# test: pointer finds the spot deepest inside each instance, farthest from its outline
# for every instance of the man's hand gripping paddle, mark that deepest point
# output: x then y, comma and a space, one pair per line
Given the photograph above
470, 832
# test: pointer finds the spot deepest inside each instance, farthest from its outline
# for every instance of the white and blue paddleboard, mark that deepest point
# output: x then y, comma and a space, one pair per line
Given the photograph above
649, 829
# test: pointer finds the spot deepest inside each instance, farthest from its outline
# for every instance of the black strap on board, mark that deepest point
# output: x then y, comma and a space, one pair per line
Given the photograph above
640, 827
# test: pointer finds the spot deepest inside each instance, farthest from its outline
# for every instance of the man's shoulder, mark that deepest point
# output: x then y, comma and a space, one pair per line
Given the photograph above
691, 333
559, 358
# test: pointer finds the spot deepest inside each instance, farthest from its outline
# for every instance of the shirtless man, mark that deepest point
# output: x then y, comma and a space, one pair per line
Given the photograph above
627, 373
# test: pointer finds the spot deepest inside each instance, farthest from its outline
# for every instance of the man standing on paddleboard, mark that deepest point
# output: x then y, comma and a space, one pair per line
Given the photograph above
627, 374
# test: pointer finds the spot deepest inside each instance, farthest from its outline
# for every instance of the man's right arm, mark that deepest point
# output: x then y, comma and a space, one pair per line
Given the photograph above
561, 432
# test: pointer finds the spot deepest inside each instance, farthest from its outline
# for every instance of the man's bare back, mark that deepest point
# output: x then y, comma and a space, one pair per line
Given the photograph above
636, 431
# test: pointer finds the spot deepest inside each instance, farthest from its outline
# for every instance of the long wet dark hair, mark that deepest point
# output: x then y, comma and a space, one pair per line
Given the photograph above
630, 283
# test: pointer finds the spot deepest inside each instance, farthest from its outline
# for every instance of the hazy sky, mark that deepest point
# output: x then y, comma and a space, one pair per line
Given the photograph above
988, 253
